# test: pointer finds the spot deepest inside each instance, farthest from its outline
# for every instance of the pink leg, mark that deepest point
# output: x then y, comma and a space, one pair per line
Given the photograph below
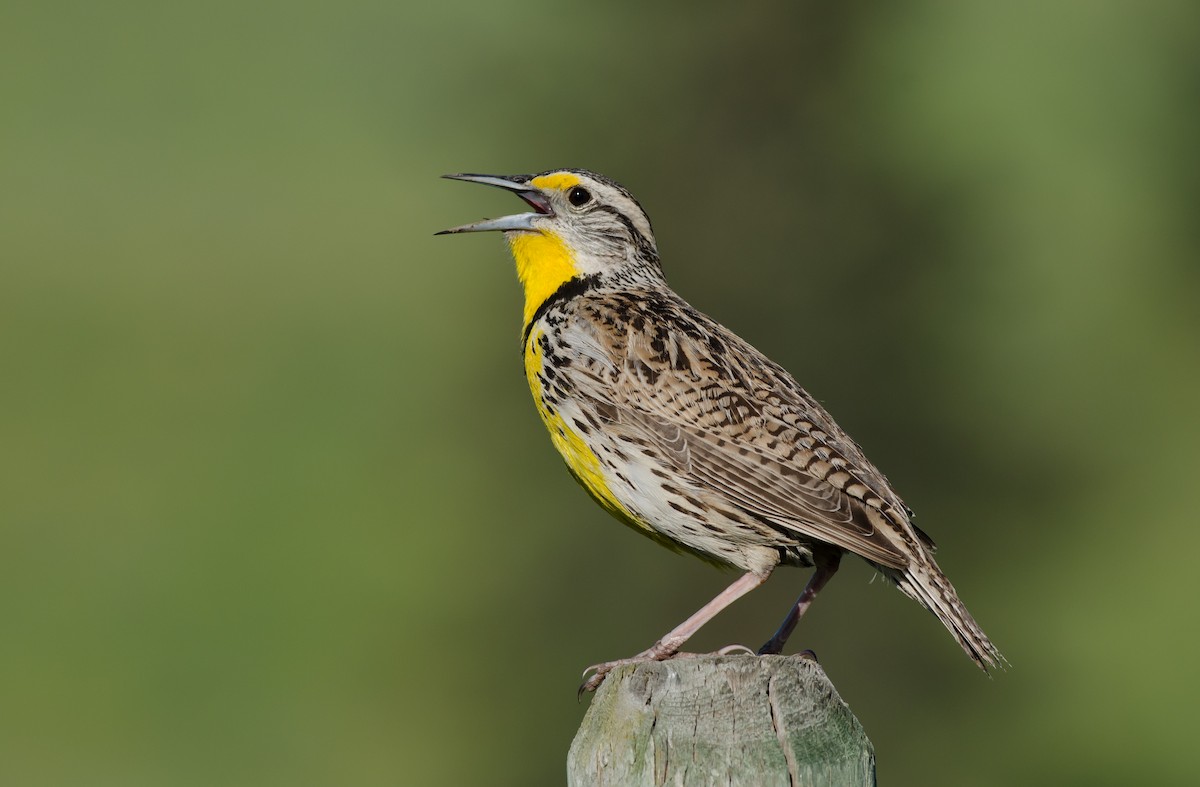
670, 644
826, 567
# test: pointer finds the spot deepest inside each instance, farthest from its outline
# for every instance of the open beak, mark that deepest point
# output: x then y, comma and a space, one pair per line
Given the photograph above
519, 184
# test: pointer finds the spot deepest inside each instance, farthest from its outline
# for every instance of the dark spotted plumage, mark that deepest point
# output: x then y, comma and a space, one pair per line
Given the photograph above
713, 406
755, 470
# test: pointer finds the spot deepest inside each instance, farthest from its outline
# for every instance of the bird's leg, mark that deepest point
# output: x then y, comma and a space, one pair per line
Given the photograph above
826, 564
670, 644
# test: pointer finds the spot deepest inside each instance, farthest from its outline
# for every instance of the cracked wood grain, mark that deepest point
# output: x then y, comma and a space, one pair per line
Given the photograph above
730, 720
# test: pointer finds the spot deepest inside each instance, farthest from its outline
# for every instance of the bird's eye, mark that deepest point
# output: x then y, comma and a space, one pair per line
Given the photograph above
579, 196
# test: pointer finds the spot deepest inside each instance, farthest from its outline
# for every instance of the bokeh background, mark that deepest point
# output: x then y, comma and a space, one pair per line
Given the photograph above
275, 507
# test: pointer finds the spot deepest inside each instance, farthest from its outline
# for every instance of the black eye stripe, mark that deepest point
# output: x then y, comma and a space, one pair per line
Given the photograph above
642, 242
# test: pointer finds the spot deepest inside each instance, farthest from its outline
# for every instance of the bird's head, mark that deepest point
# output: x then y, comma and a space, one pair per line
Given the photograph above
582, 225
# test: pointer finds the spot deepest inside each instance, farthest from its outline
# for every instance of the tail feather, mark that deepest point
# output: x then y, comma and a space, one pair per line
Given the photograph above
925, 583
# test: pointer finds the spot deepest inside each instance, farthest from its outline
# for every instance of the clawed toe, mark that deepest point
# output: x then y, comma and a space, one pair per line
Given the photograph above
592, 683
600, 671
659, 652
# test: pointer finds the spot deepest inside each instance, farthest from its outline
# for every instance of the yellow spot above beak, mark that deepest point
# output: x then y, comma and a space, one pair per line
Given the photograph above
556, 180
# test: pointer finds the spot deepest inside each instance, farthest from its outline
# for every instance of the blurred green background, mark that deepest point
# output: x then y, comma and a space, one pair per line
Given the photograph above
275, 507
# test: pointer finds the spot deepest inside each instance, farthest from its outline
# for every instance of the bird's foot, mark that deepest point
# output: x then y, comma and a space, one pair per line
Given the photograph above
770, 650
660, 652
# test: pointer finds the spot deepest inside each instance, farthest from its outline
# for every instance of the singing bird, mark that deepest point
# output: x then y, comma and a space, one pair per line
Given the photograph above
682, 430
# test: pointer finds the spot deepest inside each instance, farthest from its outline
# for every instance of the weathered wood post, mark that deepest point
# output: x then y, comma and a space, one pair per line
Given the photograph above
729, 720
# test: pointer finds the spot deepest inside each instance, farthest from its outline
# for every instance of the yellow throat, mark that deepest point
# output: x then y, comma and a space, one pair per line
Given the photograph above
544, 263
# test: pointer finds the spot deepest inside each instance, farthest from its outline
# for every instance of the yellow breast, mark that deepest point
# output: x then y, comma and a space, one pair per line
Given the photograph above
545, 263
581, 460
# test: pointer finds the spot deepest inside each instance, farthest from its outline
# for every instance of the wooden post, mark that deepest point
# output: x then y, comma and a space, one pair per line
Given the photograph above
729, 720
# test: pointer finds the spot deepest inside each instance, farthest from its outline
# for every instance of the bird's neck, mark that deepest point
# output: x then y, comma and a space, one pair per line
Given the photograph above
544, 264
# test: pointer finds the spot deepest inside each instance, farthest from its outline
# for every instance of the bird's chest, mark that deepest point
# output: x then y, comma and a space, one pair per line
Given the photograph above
545, 363
543, 371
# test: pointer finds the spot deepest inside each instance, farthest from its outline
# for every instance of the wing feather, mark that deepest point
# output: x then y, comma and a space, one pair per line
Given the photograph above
708, 421
766, 487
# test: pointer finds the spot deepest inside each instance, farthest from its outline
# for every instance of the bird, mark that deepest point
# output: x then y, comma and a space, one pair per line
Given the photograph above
684, 431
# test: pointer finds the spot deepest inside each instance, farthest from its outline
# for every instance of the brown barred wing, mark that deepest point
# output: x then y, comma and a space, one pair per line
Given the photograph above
763, 486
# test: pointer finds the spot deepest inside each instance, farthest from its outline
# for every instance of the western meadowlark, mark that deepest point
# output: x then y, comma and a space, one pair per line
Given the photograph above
685, 432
